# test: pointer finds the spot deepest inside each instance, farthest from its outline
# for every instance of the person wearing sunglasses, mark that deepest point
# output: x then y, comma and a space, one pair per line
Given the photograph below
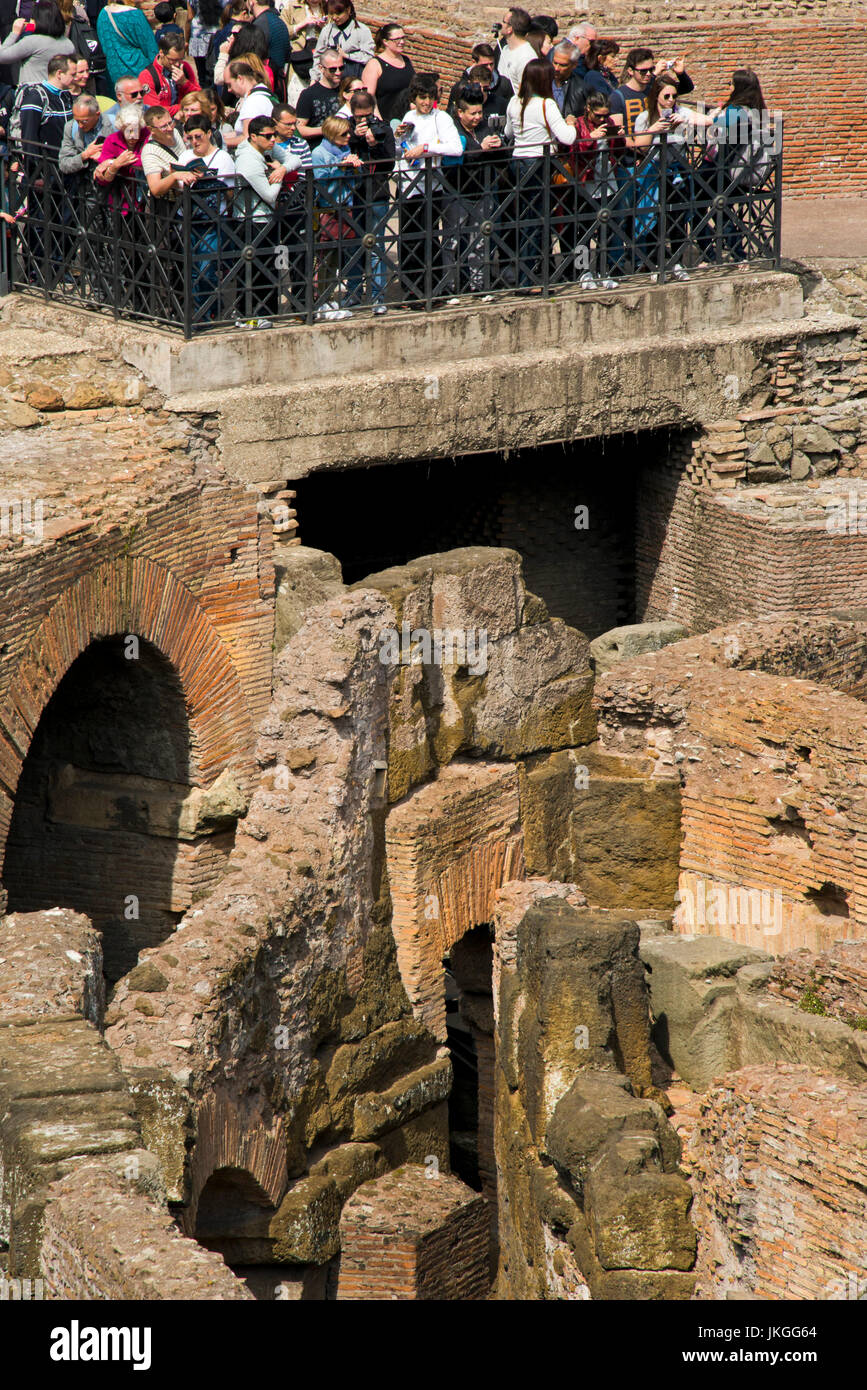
664, 117
630, 98
321, 99
388, 74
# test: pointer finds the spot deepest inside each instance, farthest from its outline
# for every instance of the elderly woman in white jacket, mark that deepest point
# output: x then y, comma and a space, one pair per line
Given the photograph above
343, 32
534, 123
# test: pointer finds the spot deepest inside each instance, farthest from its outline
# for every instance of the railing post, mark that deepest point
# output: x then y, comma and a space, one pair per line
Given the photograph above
428, 235
186, 246
778, 190
546, 223
662, 219
7, 243
309, 245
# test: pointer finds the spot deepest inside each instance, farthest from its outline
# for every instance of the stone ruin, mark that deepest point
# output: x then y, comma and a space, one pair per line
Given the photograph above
349, 968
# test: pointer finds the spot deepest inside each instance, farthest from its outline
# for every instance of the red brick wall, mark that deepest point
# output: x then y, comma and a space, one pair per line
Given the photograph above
414, 1235
779, 1168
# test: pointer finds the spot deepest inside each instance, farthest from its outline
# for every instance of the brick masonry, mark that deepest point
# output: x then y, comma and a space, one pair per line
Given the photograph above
410, 1235
771, 784
451, 845
779, 1164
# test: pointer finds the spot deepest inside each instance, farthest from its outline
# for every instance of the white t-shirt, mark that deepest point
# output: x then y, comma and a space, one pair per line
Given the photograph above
514, 60
254, 104
542, 127
220, 162
679, 134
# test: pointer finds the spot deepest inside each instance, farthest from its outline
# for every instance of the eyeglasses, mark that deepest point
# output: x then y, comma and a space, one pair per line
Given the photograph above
644, 72
397, 38
139, 92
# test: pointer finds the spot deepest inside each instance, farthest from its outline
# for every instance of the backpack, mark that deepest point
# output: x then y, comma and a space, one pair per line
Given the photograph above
14, 132
272, 96
84, 40
755, 161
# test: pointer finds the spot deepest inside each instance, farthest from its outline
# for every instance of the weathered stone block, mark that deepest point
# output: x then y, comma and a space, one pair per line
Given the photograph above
605, 824
350, 1165
597, 1109
305, 1227
376, 1113
304, 577
692, 996
642, 1221
635, 639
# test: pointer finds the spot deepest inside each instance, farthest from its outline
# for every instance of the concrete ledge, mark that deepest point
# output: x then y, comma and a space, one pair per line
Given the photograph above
300, 353
573, 386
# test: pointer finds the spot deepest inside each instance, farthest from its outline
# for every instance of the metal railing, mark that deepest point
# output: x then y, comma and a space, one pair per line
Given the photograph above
418, 237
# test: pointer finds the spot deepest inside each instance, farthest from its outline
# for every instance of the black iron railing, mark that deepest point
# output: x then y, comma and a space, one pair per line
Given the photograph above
214, 258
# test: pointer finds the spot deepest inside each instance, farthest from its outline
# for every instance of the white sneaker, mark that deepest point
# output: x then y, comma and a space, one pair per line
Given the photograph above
679, 273
588, 282
380, 308
454, 300
263, 323
609, 284
487, 299
339, 314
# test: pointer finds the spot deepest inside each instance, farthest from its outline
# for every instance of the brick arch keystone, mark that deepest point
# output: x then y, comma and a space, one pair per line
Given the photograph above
124, 596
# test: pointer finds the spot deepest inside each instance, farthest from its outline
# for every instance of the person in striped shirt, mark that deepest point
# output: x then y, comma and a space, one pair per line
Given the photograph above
288, 139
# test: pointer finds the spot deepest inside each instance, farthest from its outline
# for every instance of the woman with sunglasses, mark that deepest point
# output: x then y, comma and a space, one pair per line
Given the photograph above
389, 73
348, 86
665, 117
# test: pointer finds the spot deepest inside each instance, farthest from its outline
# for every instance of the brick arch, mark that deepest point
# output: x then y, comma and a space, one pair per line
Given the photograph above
233, 1138
450, 847
128, 596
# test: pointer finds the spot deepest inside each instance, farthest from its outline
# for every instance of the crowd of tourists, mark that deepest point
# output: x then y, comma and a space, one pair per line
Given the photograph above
303, 124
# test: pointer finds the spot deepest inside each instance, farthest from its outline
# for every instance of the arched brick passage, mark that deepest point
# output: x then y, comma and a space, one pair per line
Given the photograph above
130, 596
451, 845
227, 1138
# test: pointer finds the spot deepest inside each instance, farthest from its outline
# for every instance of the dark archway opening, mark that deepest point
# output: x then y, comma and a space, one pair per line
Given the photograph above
98, 805
470, 1040
591, 575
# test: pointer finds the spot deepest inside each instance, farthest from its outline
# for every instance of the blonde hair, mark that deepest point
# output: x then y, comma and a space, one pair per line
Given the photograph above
204, 102
335, 125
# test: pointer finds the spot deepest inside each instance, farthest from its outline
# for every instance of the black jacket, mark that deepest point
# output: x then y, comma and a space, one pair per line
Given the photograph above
476, 174
576, 95
495, 102
378, 159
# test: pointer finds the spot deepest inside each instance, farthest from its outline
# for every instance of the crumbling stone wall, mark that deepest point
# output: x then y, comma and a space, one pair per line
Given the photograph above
82, 1202
772, 836
591, 1201
764, 511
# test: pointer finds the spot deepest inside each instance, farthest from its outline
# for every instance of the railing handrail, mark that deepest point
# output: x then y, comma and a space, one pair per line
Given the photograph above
200, 260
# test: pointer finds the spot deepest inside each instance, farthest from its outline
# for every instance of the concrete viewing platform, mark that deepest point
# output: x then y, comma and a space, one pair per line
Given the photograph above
518, 373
